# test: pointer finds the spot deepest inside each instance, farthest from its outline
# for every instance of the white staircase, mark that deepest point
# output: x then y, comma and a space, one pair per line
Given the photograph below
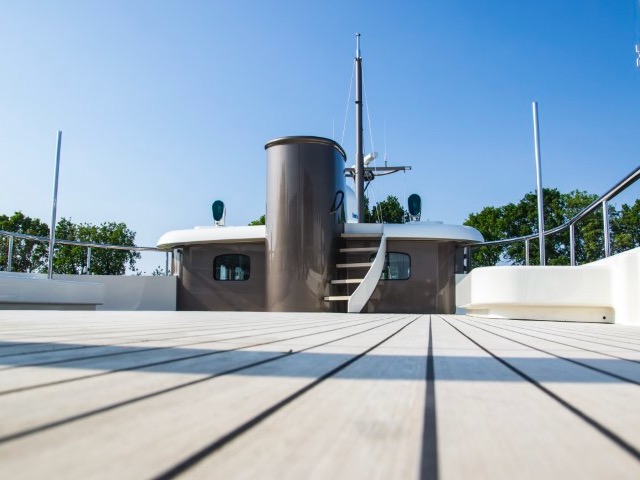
358, 275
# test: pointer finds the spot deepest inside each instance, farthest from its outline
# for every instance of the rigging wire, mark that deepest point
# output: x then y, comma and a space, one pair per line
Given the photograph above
346, 113
366, 104
384, 136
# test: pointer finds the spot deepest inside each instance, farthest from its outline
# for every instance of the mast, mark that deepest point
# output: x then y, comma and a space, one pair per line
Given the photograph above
359, 142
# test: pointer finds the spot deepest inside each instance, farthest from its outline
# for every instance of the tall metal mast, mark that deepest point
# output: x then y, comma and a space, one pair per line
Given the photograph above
359, 142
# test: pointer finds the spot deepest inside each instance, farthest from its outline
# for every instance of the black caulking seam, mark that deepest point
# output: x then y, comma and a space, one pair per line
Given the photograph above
165, 362
551, 327
501, 327
210, 332
581, 340
576, 411
570, 360
219, 443
90, 413
429, 460
146, 349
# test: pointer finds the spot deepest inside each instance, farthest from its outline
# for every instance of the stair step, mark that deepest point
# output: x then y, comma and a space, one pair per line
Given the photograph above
348, 280
361, 235
337, 298
354, 265
358, 249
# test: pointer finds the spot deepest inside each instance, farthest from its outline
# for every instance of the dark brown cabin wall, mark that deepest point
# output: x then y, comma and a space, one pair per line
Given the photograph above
431, 287
197, 289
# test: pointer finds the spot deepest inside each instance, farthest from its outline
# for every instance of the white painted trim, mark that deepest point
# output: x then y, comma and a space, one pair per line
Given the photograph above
203, 235
417, 231
257, 233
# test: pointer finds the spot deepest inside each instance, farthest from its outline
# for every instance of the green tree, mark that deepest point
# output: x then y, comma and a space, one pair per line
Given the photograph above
108, 261
386, 211
28, 256
68, 259
625, 228
32, 256
261, 221
516, 220
490, 222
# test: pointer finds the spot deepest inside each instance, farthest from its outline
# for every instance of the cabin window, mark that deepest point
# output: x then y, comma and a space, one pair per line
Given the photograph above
232, 267
397, 266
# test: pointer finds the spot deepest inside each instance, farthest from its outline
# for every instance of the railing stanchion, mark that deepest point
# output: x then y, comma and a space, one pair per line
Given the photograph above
54, 204
605, 227
10, 253
526, 251
88, 259
572, 243
536, 138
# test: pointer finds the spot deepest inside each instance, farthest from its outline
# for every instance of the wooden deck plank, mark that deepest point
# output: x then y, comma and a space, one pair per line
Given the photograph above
192, 339
494, 424
605, 361
97, 390
373, 409
166, 431
172, 357
284, 419
600, 336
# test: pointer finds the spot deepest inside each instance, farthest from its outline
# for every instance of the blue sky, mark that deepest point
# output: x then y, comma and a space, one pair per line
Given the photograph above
166, 106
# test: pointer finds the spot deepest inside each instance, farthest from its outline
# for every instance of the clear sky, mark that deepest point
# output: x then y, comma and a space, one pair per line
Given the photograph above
166, 106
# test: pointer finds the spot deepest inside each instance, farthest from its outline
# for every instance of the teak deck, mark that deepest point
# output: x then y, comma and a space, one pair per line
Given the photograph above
259, 395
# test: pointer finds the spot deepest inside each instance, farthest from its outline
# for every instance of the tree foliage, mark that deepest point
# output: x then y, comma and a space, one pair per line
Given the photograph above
28, 256
32, 256
386, 211
520, 219
261, 221
73, 259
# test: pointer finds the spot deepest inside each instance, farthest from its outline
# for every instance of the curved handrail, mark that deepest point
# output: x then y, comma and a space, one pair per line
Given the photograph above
618, 188
87, 245
361, 295
79, 244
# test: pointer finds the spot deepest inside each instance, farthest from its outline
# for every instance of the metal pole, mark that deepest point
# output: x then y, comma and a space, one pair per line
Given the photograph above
605, 227
173, 263
526, 251
10, 254
572, 243
88, 259
52, 233
536, 137
166, 263
359, 135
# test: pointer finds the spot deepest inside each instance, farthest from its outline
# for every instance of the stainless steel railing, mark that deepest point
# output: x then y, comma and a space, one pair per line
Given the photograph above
602, 202
88, 245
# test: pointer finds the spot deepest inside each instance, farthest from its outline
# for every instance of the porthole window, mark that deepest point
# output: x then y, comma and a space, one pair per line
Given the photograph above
233, 267
397, 266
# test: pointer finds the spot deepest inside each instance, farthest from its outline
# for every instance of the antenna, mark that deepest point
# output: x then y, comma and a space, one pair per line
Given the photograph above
385, 144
